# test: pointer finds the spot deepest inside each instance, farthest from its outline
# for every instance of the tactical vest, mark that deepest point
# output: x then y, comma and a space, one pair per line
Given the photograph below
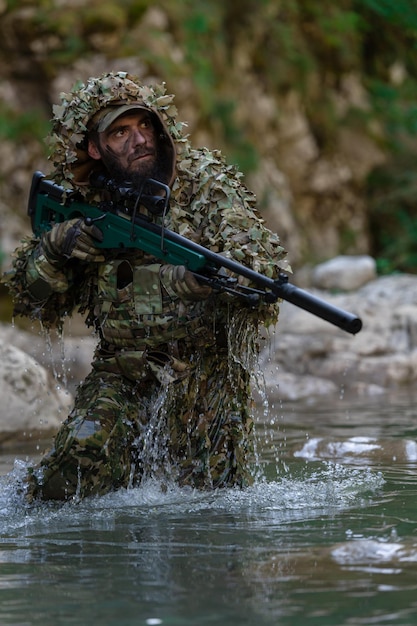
133, 310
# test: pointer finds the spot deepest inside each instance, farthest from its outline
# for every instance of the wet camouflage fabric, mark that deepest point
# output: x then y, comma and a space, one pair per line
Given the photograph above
196, 431
170, 381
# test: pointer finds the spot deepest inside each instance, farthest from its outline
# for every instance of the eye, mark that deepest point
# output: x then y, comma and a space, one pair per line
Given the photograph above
118, 132
146, 123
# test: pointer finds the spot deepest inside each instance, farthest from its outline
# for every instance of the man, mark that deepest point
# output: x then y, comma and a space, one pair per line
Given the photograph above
169, 390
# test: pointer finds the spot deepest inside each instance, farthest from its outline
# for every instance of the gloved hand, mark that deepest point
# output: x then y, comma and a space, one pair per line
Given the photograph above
180, 282
72, 239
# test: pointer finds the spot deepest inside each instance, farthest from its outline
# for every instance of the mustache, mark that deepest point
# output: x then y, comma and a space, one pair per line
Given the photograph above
140, 152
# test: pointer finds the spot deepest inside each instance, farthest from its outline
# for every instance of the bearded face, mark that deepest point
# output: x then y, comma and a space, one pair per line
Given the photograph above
129, 149
141, 168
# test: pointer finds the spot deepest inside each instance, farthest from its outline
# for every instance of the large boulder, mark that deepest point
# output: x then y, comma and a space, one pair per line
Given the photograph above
31, 399
309, 357
344, 272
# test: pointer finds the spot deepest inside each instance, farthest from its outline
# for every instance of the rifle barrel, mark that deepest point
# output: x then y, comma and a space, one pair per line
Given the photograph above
304, 300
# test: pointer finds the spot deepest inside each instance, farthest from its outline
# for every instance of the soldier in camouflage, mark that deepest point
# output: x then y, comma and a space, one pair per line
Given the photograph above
168, 394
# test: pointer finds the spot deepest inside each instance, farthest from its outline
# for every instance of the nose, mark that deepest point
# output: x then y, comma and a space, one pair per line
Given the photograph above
139, 137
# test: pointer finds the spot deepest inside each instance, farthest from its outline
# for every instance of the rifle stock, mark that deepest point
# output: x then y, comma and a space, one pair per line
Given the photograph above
50, 204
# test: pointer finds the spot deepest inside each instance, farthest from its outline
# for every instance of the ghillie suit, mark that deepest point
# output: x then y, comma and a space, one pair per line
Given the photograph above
169, 390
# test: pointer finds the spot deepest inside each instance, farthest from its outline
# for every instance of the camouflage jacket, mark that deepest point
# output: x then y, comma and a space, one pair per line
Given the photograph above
209, 205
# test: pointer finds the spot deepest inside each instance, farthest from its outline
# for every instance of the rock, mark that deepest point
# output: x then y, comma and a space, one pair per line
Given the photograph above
31, 401
344, 273
67, 358
381, 357
290, 386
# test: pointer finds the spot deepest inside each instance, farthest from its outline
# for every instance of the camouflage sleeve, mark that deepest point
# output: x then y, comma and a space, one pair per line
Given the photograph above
224, 213
38, 290
223, 216
237, 231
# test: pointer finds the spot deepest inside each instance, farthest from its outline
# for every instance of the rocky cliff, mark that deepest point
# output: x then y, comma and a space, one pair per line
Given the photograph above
304, 95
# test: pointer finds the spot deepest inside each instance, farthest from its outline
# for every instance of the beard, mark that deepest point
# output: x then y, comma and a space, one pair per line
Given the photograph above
151, 168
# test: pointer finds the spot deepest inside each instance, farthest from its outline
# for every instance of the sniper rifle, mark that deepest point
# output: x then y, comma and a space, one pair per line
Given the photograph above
124, 226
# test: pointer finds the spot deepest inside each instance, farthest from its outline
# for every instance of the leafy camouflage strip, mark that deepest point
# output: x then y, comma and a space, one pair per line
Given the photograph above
129, 401
196, 430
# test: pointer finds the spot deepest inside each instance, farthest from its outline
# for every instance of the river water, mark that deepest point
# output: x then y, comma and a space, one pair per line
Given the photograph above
327, 536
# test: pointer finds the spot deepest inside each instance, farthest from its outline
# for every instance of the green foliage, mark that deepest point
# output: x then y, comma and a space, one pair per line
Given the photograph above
307, 46
241, 151
396, 108
106, 17
134, 9
202, 32
201, 37
389, 67
19, 127
392, 194
400, 12
77, 33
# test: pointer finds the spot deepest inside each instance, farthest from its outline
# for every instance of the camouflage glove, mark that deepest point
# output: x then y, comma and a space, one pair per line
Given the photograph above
181, 283
72, 239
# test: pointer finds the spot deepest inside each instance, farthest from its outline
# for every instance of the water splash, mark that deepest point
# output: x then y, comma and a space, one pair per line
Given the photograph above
330, 488
59, 367
153, 444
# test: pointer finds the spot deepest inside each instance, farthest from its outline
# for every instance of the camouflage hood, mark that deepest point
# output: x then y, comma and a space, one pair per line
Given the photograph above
67, 139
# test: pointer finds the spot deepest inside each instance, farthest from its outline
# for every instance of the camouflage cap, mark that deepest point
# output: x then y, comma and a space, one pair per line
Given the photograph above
105, 117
